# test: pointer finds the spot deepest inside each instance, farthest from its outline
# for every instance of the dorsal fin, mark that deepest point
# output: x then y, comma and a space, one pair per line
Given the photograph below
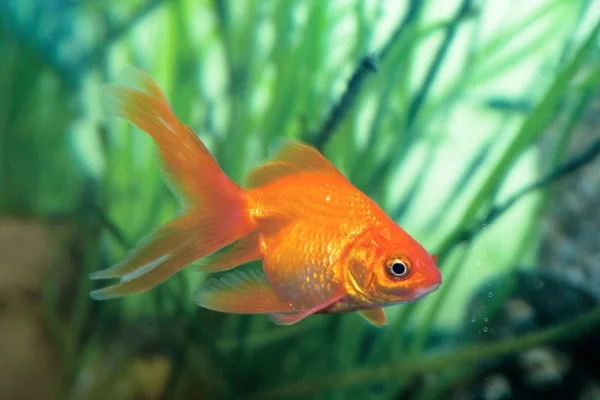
291, 158
270, 172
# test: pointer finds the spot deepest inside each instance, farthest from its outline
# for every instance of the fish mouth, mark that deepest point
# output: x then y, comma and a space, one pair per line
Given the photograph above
434, 287
426, 290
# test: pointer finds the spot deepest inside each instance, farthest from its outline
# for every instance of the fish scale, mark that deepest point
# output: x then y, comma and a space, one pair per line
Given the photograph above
342, 212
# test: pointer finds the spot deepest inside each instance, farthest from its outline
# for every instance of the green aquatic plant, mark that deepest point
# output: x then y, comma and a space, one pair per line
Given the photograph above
378, 88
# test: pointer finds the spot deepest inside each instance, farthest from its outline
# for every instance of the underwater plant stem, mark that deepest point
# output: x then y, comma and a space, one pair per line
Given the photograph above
569, 167
81, 308
572, 165
264, 338
399, 386
529, 131
414, 9
420, 97
437, 390
440, 300
340, 109
368, 64
562, 144
424, 364
110, 226
238, 42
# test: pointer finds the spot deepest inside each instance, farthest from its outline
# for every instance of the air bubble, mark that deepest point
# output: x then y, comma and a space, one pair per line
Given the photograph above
473, 319
490, 294
538, 284
485, 319
485, 328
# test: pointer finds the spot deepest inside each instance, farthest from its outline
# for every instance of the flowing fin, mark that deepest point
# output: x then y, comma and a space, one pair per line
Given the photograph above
165, 252
290, 318
376, 316
241, 252
164, 243
291, 158
217, 213
186, 160
241, 292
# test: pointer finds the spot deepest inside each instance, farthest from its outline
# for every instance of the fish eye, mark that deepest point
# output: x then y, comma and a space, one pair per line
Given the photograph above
398, 267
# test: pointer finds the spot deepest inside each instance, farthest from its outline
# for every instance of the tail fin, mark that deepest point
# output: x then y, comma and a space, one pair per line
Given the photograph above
215, 207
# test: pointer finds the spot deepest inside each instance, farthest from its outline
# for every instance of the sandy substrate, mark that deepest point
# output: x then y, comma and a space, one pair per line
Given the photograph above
29, 366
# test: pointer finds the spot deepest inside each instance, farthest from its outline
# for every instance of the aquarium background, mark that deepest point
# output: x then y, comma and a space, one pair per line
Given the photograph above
474, 124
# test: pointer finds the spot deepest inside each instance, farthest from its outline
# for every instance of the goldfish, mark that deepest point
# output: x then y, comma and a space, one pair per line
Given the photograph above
325, 246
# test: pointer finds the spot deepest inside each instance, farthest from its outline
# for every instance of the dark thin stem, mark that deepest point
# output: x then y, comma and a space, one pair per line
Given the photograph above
414, 8
416, 185
420, 97
473, 167
368, 64
570, 42
569, 167
110, 226
340, 109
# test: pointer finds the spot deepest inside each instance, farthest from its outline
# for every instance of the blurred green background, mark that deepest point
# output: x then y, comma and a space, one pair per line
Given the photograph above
441, 111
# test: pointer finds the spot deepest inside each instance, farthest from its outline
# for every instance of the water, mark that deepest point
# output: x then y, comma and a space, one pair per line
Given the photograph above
440, 133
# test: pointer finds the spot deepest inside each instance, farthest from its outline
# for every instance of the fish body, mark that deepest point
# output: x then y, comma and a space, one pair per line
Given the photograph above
300, 262
325, 246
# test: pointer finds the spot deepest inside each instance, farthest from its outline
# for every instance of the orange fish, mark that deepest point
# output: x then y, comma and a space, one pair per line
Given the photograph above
325, 246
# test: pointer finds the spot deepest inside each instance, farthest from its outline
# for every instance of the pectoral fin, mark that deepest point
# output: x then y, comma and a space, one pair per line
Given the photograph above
241, 292
376, 316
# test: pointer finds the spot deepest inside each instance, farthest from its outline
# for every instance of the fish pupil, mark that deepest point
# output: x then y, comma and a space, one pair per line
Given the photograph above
399, 268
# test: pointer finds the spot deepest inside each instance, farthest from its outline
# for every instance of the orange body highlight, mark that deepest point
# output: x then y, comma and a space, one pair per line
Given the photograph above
325, 246
333, 236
